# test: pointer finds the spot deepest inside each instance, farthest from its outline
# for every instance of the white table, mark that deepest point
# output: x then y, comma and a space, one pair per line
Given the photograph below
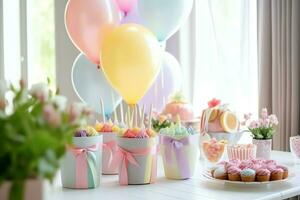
194, 188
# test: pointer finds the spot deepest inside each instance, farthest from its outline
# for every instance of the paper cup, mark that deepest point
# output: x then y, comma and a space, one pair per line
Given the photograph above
236, 152
108, 153
180, 162
90, 173
140, 174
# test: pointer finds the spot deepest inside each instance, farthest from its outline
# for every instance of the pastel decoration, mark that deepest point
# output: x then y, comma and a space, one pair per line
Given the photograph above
81, 165
165, 17
92, 87
137, 160
88, 21
132, 17
126, 5
168, 81
179, 156
130, 59
109, 152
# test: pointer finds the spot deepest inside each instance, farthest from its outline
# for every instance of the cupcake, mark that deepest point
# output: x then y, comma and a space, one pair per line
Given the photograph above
263, 175
107, 127
247, 175
212, 170
285, 171
86, 131
178, 106
276, 174
234, 173
220, 173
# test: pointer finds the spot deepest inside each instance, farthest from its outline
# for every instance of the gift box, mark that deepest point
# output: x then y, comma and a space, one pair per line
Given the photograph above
180, 155
81, 166
137, 160
109, 150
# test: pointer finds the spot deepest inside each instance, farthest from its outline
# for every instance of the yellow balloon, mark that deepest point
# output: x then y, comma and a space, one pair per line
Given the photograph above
130, 59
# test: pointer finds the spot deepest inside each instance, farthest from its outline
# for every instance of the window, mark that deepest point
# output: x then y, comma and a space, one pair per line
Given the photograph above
226, 61
28, 35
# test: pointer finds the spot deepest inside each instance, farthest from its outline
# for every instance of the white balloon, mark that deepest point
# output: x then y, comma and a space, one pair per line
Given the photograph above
91, 86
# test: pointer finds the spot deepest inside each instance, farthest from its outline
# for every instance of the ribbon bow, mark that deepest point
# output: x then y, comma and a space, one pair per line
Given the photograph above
110, 147
85, 159
175, 145
124, 157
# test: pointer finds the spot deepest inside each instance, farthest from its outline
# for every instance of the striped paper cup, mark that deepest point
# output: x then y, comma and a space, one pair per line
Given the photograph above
241, 151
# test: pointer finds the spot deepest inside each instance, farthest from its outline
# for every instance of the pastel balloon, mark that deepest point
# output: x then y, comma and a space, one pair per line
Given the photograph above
91, 85
88, 21
166, 83
130, 59
132, 17
165, 17
126, 5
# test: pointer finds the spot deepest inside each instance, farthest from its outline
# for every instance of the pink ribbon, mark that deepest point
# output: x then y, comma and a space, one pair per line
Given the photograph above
124, 157
110, 147
80, 155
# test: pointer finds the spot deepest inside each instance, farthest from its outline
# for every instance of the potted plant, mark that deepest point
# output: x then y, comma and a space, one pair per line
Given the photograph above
35, 127
262, 131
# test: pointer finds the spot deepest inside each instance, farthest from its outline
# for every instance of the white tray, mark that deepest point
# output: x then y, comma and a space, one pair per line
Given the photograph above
207, 176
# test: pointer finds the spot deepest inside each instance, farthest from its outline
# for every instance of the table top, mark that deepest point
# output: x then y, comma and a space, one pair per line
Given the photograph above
194, 188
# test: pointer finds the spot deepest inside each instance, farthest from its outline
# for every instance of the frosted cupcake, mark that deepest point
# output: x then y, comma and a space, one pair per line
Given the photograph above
178, 106
276, 174
247, 175
263, 175
285, 171
220, 173
234, 173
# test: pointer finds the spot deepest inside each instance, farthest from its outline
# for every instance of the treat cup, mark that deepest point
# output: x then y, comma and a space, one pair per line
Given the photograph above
180, 155
109, 150
236, 152
81, 166
295, 148
136, 158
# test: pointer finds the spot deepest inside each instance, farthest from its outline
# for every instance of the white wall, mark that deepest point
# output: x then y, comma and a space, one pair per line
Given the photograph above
65, 53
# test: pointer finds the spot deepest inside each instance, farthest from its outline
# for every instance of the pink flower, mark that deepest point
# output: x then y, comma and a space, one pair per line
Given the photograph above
51, 116
40, 91
265, 122
247, 116
253, 125
273, 120
264, 113
214, 102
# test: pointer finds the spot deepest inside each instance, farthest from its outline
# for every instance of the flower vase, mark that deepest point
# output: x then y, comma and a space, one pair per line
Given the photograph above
263, 148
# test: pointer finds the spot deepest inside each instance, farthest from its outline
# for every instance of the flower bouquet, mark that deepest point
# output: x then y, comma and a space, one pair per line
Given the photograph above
35, 127
262, 131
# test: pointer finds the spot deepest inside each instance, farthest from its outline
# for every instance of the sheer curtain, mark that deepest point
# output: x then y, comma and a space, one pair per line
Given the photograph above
218, 51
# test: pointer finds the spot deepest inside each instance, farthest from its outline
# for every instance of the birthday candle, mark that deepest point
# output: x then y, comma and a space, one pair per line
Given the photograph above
150, 117
142, 116
102, 110
121, 112
115, 113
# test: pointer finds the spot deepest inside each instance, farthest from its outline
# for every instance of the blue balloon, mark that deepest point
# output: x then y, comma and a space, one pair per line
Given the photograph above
164, 17
91, 85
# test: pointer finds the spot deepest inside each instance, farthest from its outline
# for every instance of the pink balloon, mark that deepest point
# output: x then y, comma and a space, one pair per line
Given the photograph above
126, 5
88, 21
168, 81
